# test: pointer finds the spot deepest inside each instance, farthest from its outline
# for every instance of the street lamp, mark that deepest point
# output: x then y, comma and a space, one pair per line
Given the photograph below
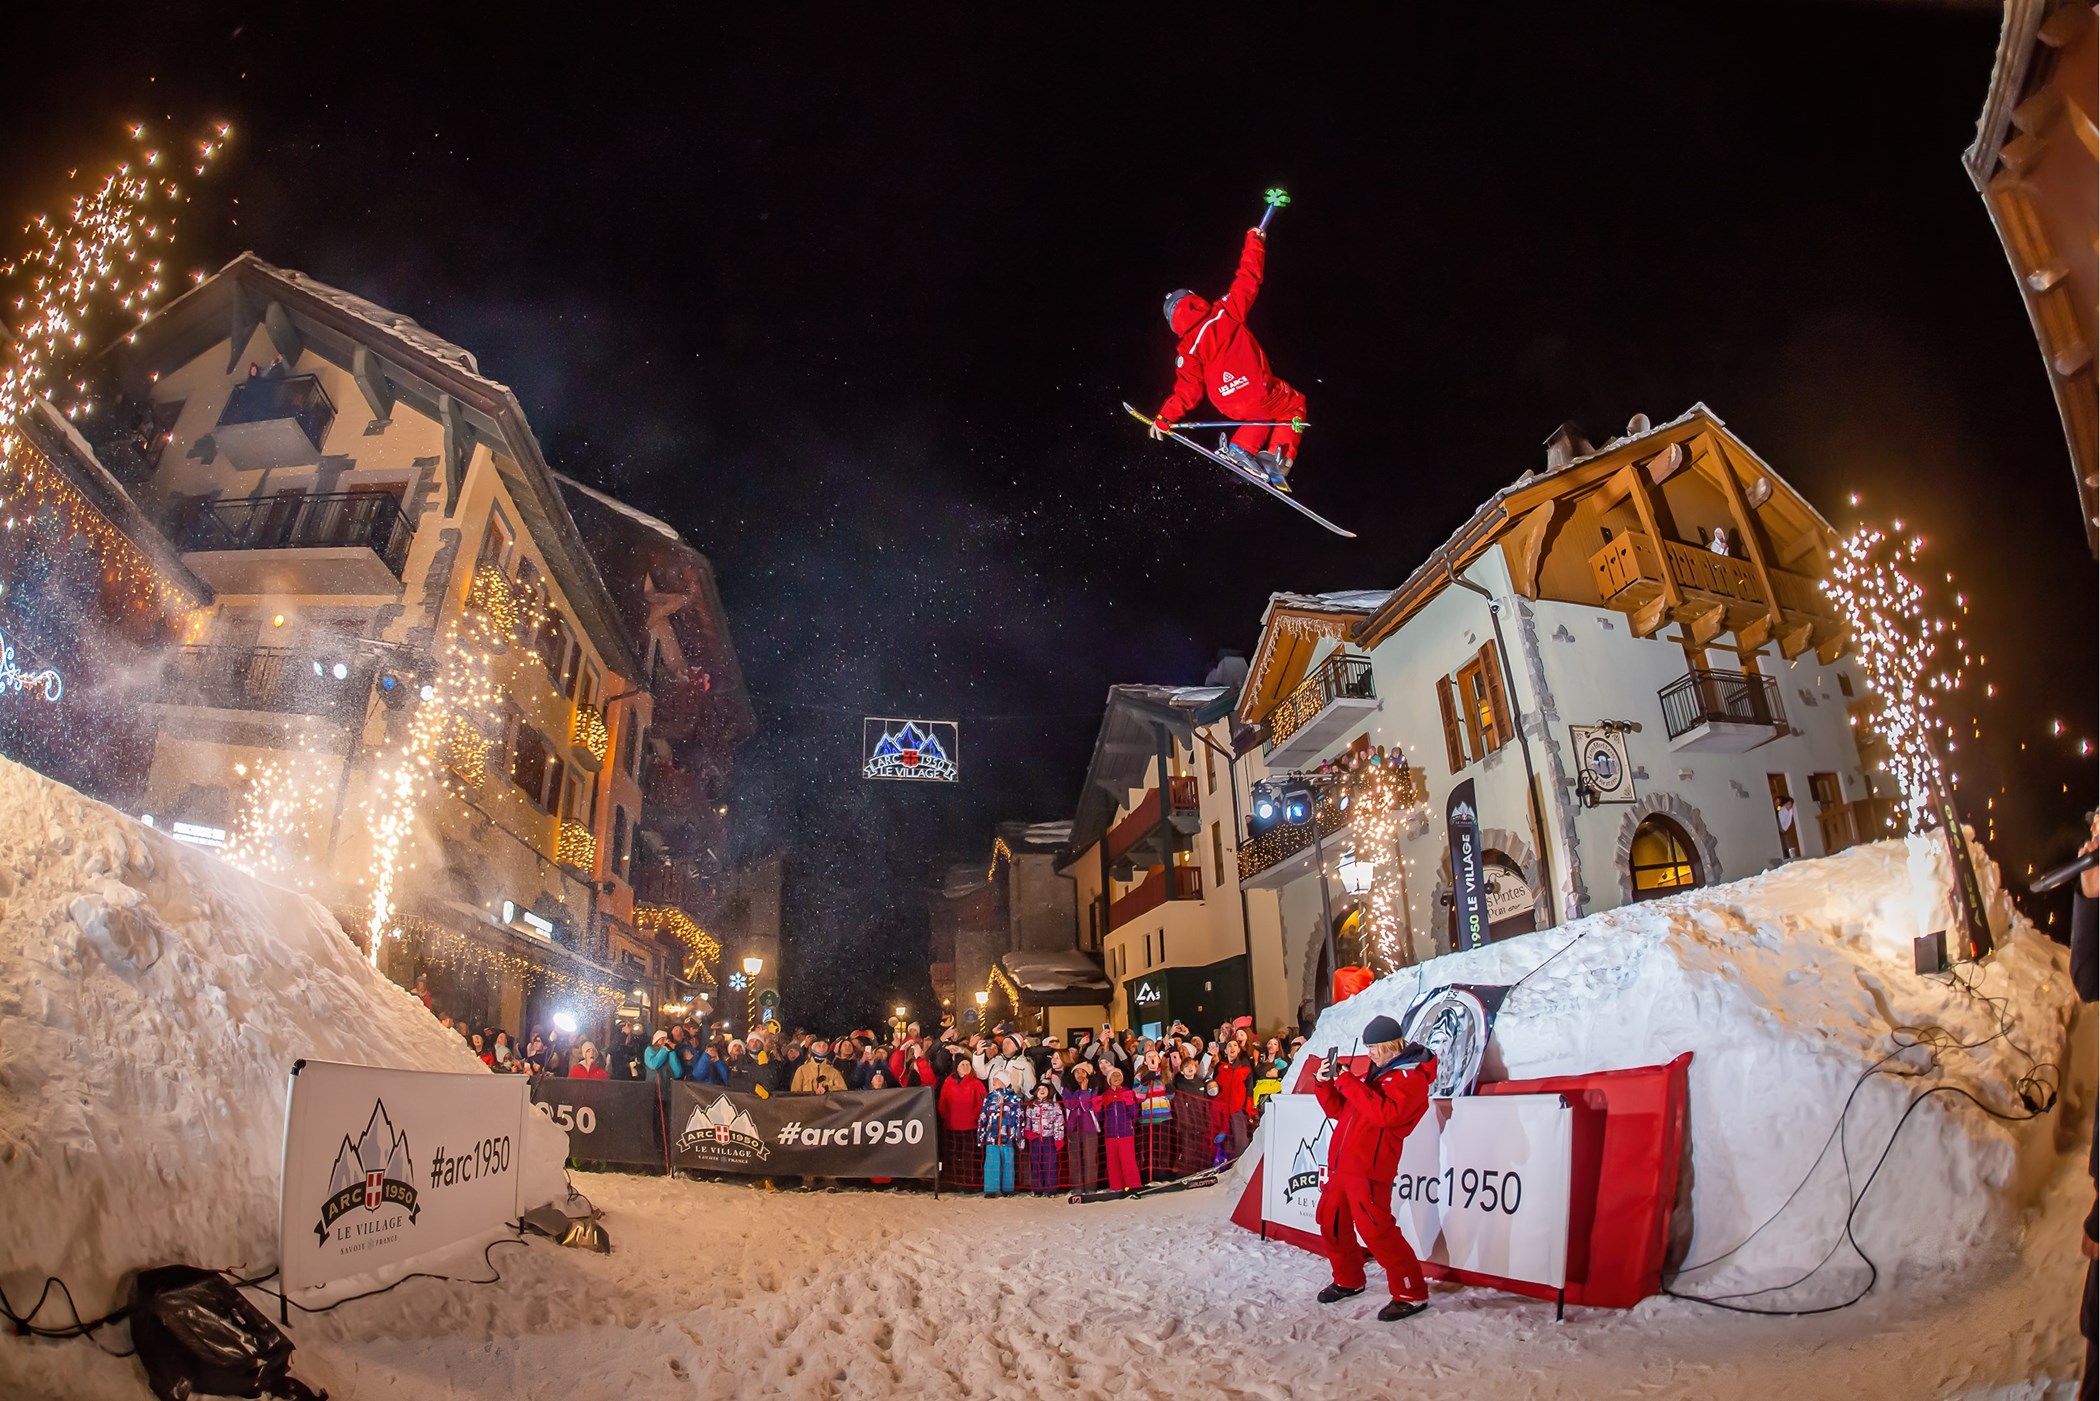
753, 965
898, 1021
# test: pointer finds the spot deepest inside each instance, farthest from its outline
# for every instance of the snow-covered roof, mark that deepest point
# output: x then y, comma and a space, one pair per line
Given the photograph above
613, 504
1345, 601
1053, 971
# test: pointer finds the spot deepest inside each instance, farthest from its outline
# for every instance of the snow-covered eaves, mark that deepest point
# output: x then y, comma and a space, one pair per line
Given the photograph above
642, 518
1138, 724
1344, 601
1050, 977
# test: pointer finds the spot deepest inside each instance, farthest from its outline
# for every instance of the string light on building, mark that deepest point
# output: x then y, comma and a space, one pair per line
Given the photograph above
669, 919
1000, 852
1910, 657
14, 678
443, 948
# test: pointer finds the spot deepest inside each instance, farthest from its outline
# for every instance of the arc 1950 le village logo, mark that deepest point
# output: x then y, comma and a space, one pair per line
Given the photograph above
372, 1177
720, 1132
1308, 1166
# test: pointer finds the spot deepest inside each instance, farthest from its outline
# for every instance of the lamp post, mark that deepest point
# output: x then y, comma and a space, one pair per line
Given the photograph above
899, 1019
983, 1000
753, 966
1323, 996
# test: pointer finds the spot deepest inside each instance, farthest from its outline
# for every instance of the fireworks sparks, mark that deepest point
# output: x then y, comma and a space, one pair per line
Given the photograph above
280, 822
99, 256
1906, 656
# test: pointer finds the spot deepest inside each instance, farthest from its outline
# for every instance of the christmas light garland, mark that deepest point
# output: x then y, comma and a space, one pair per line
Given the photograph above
669, 919
449, 949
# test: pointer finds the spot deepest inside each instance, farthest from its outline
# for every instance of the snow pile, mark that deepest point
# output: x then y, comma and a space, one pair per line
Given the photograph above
1787, 987
152, 1001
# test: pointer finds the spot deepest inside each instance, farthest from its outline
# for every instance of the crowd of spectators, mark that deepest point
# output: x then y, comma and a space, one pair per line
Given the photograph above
1018, 1111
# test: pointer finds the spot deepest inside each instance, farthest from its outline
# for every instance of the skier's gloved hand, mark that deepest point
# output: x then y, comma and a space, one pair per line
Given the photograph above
1159, 430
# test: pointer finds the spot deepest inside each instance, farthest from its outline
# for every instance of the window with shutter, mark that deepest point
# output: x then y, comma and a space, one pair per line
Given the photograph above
1454, 747
1497, 700
1473, 708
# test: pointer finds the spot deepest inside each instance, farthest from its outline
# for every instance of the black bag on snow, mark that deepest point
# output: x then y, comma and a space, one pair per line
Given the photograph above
197, 1335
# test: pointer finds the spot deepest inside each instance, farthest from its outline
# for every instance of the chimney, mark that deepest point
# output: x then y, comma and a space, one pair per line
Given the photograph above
1566, 444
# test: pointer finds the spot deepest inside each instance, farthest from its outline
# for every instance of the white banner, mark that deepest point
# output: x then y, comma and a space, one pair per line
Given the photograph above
384, 1165
1483, 1184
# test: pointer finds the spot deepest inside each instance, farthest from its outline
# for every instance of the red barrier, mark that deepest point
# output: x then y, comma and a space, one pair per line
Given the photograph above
1629, 1144
1190, 1139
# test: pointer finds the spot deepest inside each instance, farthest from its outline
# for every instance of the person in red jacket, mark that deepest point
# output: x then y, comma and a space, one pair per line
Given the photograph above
587, 1065
1373, 1115
960, 1101
1217, 355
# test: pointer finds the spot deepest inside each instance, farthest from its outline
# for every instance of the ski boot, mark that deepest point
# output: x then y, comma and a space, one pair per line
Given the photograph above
1401, 1308
1276, 467
1335, 1293
1241, 458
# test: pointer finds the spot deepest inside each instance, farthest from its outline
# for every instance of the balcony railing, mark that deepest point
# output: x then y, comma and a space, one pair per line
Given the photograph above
274, 422
588, 731
297, 520
1163, 884
1630, 561
265, 678
576, 846
1720, 698
1322, 706
1181, 811
1285, 840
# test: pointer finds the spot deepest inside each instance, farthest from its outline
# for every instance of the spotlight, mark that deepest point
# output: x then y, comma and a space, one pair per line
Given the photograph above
429, 692
340, 671
1296, 810
1265, 809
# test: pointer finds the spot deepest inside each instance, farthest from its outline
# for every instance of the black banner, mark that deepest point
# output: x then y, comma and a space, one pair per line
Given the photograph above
608, 1121
866, 1133
1469, 890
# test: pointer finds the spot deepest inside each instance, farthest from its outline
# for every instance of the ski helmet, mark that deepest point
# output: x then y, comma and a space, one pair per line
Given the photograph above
1174, 300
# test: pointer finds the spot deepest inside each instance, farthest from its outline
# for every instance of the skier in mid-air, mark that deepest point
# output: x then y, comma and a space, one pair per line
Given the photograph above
1217, 355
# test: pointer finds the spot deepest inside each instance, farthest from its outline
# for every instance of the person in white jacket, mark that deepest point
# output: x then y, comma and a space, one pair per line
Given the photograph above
1010, 1064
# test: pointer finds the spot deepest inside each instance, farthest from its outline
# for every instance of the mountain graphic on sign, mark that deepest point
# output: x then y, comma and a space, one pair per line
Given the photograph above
910, 751
1311, 1153
378, 1149
721, 1114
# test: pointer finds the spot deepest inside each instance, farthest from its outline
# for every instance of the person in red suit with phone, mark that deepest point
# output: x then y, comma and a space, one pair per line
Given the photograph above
1373, 1115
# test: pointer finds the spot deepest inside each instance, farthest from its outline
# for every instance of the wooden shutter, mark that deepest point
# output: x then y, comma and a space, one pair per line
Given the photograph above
1454, 747
1491, 678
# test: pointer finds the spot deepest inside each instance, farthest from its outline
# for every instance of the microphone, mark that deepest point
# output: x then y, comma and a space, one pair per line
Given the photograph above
2049, 880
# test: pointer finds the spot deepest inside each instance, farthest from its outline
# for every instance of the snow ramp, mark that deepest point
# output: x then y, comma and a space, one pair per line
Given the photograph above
1787, 988
152, 1001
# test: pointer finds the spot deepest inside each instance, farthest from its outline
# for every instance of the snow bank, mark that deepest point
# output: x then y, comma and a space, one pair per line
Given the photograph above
1786, 987
152, 1001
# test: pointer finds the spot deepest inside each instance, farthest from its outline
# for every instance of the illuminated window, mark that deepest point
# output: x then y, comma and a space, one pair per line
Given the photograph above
1661, 860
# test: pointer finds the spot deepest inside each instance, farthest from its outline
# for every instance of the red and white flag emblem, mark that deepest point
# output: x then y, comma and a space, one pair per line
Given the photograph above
373, 1189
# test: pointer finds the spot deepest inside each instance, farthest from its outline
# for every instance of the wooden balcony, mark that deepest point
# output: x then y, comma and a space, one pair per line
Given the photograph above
1713, 594
1163, 884
1155, 827
1321, 710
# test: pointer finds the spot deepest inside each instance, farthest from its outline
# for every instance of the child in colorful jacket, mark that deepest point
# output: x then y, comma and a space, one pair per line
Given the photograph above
999, 1129
1046, 1134
1118, 1111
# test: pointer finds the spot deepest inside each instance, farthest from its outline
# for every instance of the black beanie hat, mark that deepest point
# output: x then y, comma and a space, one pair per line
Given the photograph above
1380, 1029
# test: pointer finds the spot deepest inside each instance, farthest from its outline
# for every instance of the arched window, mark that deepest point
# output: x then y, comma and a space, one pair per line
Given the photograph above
1661, 861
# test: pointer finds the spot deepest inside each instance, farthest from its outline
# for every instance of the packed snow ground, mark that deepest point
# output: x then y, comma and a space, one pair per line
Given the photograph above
152, 999
718, 1290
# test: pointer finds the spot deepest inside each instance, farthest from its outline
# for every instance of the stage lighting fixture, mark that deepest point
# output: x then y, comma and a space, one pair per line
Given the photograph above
1264, 809
1296, 809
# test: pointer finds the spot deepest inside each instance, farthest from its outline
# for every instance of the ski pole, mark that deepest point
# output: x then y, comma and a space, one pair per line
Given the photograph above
1276, 200
1298, 423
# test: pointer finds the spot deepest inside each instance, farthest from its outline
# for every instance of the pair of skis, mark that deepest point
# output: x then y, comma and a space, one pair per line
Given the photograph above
1171, 1184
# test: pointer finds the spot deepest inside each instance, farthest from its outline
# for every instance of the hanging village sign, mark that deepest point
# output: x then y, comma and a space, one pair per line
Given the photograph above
922, 751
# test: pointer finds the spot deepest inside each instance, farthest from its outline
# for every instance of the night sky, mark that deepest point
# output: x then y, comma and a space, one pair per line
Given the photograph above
852, 299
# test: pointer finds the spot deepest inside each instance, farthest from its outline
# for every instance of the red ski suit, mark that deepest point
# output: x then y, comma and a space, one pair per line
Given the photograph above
1219, 356
1372, 1120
